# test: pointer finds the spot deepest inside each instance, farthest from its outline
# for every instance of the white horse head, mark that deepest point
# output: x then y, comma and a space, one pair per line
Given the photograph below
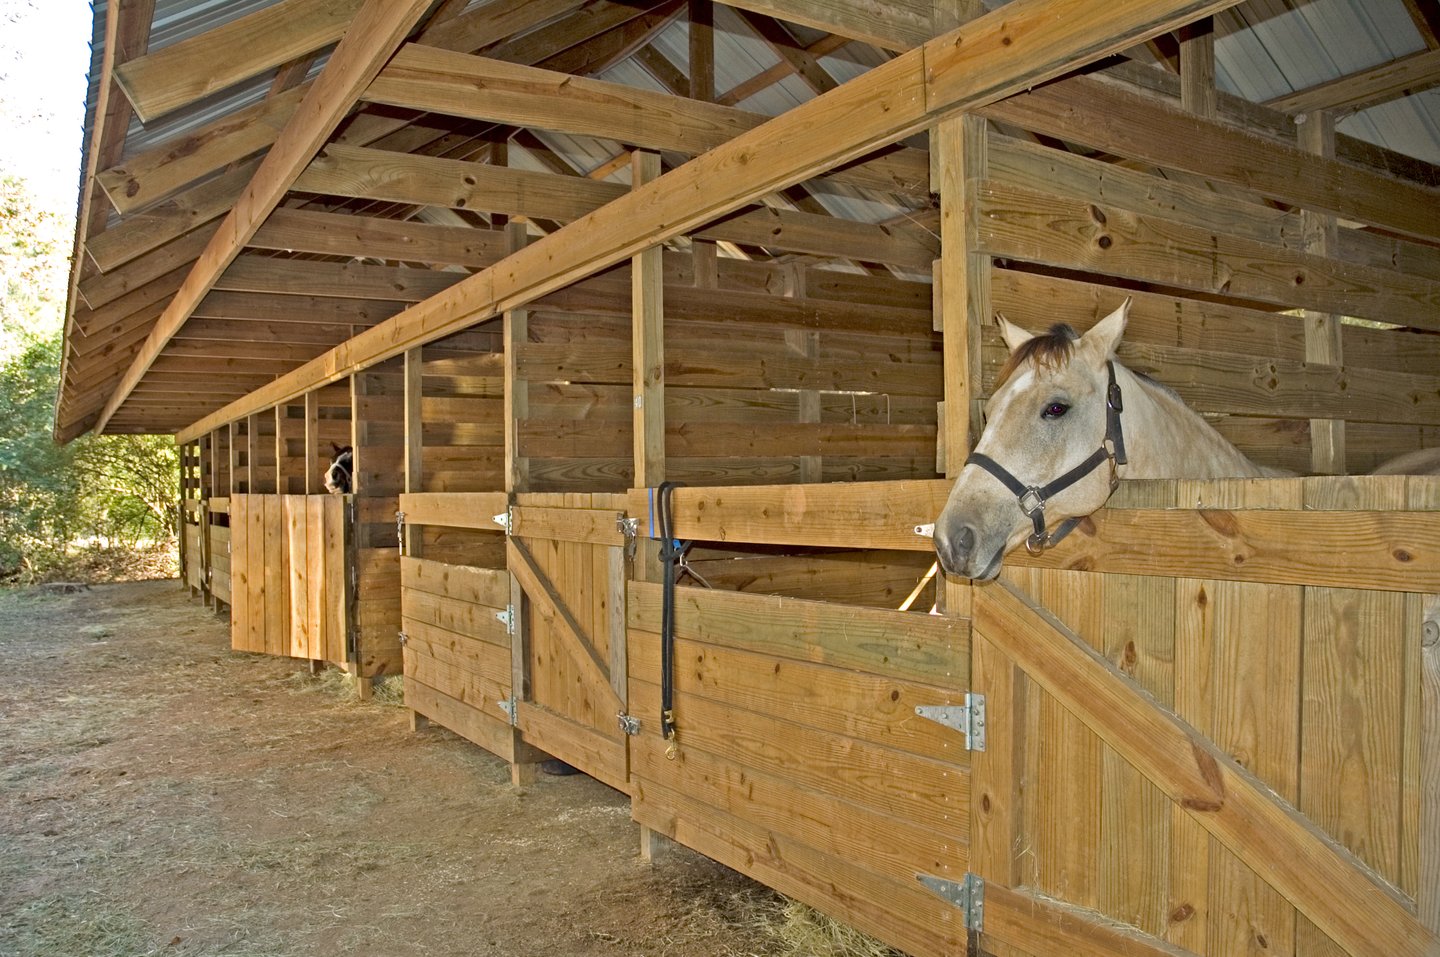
1066, 421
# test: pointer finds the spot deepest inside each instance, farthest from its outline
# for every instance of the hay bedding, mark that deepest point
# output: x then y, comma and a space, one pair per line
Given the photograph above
160, 794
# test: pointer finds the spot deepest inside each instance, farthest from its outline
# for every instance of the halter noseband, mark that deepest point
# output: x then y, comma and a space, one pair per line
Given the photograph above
1032, 498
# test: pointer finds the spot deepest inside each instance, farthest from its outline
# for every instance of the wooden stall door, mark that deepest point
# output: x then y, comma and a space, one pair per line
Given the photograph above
566, 553
1220, 749
289, 592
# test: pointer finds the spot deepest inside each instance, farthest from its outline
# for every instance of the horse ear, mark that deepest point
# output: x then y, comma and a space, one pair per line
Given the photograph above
1014, 336
1105, 334
335, 447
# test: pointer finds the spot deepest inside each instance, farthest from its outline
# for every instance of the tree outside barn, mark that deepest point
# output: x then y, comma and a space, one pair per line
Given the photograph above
99, 507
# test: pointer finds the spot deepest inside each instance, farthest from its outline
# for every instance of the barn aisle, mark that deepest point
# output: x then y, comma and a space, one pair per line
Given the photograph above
161, 794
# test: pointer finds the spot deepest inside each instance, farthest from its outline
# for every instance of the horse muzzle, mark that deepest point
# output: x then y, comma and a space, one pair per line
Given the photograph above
961, 556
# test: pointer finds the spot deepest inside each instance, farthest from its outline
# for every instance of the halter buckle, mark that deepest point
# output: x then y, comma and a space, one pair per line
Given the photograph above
1032, 501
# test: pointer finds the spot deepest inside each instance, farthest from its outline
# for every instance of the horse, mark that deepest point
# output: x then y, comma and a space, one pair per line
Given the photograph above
339, 474
1066, 422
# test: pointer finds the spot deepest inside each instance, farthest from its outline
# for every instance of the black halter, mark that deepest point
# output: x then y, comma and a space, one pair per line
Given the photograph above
1032, 498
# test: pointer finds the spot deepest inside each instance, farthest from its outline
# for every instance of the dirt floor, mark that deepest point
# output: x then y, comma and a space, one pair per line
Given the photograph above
160, 794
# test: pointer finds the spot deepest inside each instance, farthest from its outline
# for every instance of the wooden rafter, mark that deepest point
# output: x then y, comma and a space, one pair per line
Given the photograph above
184, 72
1426, 16
1026, 43
1357, 91
896, 25
435, 80
372, 37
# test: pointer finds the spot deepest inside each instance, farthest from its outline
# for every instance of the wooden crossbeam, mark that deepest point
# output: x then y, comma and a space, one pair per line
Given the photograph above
336, 234
897, 25
990, 58
371, 39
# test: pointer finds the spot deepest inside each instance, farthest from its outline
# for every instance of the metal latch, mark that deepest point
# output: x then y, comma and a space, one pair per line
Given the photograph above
967, 718
403, 638
503, 520
925, 531
630, 528
507, 618
629, 723
968, 895
508, 705
400, 531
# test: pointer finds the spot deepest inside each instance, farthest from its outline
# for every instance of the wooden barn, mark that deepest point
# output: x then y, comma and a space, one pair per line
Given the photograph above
536, 260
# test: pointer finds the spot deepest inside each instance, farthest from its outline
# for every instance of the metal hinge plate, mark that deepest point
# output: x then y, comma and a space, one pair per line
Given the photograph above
507, 618
503, 520
968, 895
967, 718
403, 638
400, 531
508, 705
629, 723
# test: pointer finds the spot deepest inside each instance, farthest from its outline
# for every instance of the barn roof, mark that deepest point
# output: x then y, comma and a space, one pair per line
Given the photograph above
186, 96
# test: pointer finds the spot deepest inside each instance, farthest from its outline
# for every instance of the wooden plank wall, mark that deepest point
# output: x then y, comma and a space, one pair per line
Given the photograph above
377, 429
799, 759
1314, 689
836, 380
1219, 279
219, 515
462, 410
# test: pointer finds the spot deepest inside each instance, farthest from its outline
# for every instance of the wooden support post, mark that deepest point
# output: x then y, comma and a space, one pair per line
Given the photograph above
647, 330
206, 490
1322, 330
652, 844
414, 438
314, 461
1428, 897
962, 292
647, 334
702, 87
359, 428
1197, 68
239, 478
418, 722
180, 532
517, 390
516, 332
805, 343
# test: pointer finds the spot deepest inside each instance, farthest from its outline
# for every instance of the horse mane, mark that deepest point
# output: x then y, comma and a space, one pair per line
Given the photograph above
1052, 350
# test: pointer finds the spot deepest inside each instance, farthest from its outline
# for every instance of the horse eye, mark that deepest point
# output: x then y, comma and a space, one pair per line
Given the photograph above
1054, 410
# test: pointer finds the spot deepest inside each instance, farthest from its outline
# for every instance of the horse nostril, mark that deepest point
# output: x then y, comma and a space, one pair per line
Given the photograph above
954, 548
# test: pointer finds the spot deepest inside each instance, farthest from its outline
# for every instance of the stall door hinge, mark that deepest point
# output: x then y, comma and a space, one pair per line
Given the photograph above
967, 718
404, 639
507, 618
400, 531
504, 520
508, 705
629, 723
968, 895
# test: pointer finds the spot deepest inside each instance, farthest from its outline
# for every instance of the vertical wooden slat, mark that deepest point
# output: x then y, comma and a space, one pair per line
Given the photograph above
277, 579
337, 611
1354, 676
237, 452
316, 598
297, 521
1422, 750
255, 557
239, 573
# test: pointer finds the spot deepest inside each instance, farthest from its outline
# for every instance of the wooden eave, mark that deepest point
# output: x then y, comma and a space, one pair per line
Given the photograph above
281, 246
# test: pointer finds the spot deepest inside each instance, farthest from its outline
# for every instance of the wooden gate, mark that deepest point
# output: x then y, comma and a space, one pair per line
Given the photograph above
566, 554
1212, 723
290, 587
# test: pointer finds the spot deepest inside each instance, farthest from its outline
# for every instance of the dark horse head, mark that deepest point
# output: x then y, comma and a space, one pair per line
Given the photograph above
342, 468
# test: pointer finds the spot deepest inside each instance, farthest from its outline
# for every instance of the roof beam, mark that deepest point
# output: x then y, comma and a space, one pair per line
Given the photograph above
1357, 91
172, 165
371, 39
297, 277
430, 181
897, 25
336, 234
192, 69
444, 82
1426, 16
1024, 44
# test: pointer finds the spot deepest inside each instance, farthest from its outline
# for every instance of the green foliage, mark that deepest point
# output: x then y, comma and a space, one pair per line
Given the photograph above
108, 489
